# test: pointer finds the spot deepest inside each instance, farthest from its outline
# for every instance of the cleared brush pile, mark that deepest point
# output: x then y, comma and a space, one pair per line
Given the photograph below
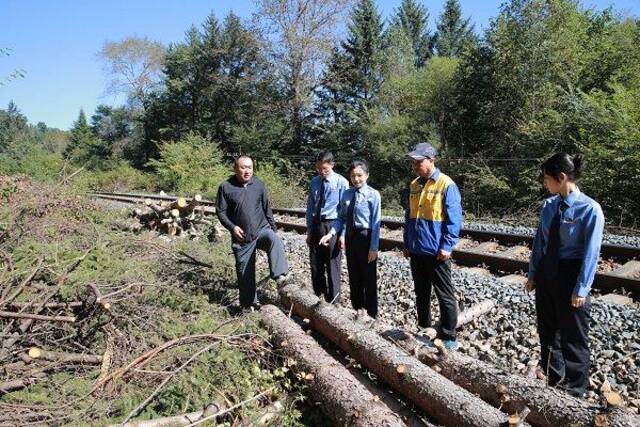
102, 326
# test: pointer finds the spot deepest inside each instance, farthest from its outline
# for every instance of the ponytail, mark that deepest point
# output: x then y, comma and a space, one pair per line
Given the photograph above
563, 163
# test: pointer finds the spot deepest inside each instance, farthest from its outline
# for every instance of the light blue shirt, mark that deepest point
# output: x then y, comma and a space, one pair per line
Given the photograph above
334, 187
581, 228
366, 213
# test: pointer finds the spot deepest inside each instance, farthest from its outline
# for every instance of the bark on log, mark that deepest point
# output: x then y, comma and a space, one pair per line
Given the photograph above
342, 397
19, 384
53, 356
466, 316
176, 420
549, 407
448, 403
193, 203
69, 305
31, 316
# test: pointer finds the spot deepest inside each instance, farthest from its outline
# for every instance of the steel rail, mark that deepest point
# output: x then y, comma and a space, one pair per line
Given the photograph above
465, 257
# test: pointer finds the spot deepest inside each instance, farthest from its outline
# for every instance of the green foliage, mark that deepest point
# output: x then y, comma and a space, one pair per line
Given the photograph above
13, 127
34, 161
362, 46
172, 300
454, 34
545, 80
413, 19
351, 82
85, 148
191, 165
412, 108
217, 81
120, 176
285, 189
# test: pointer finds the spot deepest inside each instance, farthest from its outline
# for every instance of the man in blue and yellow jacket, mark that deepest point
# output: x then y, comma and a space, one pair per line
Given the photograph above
432, 228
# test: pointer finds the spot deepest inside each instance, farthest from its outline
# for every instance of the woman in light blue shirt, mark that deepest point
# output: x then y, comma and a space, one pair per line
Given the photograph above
359, 221
563, 264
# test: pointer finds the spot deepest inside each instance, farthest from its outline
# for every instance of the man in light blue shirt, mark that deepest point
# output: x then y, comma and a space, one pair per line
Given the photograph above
322, 210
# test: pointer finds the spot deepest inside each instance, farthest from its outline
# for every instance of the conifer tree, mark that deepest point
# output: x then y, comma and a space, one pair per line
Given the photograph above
352, 81
84, 146
413, 18
453, 33
363, 46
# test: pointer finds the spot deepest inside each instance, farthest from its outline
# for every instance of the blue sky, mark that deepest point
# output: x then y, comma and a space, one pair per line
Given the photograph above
56, 42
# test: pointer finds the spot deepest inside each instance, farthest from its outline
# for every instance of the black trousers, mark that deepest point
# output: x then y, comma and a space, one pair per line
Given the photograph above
362, 273
325, 263
563, 329
427, 271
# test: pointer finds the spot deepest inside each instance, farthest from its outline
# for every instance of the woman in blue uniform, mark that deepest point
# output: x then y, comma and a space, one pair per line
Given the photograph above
563, 264
359, 220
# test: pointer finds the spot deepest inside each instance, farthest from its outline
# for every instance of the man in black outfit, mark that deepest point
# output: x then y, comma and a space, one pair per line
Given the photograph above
243, 208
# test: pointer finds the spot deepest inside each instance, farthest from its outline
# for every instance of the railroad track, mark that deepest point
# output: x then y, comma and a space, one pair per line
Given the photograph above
477, 247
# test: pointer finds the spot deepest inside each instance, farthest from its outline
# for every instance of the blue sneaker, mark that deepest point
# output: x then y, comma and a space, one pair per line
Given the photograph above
451, 345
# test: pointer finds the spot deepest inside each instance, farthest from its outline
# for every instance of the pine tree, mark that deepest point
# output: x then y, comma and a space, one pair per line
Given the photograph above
454, 33
84, 147
413, 18
13, 126
351, 82
363, 47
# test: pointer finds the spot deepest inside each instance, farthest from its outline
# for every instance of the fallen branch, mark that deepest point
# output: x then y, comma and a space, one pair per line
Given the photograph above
466, 316
142, 405
18, 384
52, 356
22, 285
176, 420
106, 305
31, 316
146, 357
54, 305
232, 408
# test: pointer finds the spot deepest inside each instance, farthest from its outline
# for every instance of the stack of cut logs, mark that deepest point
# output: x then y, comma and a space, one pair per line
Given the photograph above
179, 217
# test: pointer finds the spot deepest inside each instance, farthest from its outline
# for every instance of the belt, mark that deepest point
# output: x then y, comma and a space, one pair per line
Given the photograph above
323, 218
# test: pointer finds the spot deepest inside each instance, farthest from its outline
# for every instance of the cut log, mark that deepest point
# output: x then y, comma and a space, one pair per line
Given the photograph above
58, 305
19, 384
176, 420
178, 204
446, 402
190, 207
53, 356
341, 396
549, 407
106, 305
466, 316
12, 315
